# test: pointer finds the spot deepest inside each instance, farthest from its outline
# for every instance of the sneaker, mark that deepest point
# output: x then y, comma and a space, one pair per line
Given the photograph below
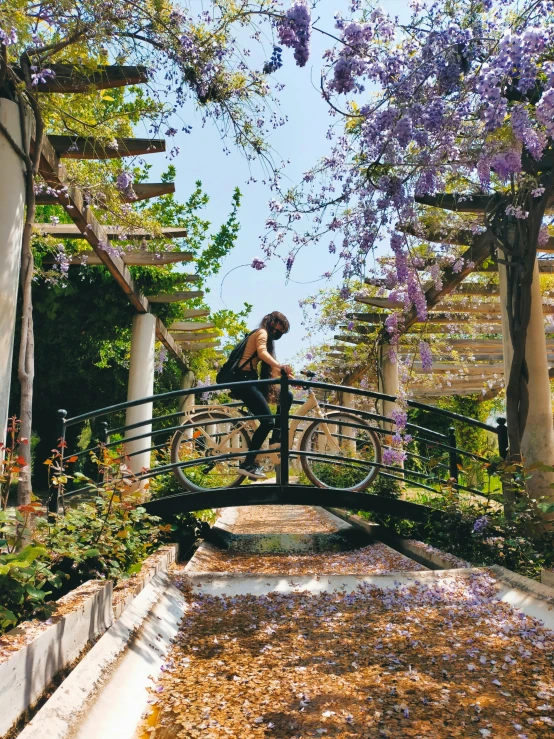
253, 471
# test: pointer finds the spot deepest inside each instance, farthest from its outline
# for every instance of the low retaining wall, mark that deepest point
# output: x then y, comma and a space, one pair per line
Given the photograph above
547, 578
32, 654
420, 552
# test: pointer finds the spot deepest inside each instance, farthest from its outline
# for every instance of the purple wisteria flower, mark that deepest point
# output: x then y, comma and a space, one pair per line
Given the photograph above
481, 524
258, 264
294, 31
7, 38
39, 76
124, 181
426, 356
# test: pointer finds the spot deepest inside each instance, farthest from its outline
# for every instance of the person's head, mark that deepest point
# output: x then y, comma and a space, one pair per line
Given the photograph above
276, 324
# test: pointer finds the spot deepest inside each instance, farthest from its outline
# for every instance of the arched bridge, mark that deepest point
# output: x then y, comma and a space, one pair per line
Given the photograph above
181, 451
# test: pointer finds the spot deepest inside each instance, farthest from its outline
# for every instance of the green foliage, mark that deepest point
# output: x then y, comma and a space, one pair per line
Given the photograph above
386, 487
482, 532
105, 538
26, 572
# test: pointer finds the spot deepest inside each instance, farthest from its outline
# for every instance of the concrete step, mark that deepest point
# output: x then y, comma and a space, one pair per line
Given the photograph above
284, 529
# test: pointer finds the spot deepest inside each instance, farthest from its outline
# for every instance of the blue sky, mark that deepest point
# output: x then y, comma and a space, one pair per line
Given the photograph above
302, 140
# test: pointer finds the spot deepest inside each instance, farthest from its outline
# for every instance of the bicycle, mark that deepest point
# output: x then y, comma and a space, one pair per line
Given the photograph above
337, 449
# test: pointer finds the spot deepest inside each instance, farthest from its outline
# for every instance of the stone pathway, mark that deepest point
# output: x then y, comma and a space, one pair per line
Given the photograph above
261, 655
375, 559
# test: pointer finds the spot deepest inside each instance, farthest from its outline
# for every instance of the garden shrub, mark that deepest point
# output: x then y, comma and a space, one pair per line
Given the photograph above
481, 532
27, 576
100, 539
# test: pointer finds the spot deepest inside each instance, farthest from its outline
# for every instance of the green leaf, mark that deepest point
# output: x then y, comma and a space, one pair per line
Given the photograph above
35, 592
91, 553
546, 507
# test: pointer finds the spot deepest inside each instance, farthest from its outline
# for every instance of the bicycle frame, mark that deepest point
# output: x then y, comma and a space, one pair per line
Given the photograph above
272, 456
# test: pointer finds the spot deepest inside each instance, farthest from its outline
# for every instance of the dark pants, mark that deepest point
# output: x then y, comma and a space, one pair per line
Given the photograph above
254, 400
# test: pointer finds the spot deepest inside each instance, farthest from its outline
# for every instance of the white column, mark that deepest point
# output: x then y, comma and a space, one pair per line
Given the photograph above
537, 444
12, 213
141, 385
388, 381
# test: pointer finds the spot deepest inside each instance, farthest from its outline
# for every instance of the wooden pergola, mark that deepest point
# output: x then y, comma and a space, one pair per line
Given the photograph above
182, 338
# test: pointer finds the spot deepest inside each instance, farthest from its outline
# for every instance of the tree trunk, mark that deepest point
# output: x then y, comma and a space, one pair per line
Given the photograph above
516, 240
26, 363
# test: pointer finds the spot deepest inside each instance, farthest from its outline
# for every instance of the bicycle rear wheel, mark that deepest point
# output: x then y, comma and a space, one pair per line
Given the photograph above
195, 443
344, 455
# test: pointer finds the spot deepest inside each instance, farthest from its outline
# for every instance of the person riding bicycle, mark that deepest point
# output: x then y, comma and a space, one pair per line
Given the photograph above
260, 350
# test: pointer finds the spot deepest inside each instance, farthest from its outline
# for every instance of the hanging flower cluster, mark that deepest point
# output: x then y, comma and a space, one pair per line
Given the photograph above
465, 100
294, 31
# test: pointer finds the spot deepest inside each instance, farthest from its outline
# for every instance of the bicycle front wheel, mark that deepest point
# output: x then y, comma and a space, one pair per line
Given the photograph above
212, 434
340, 454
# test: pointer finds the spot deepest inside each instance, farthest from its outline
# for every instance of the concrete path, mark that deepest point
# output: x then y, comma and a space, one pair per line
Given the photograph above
339, 605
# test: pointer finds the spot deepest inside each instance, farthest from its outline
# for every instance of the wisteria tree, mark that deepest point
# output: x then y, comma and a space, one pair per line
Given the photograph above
191, 54
459, 100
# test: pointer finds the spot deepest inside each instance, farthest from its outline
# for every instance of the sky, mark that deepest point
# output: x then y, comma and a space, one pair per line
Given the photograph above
302, 140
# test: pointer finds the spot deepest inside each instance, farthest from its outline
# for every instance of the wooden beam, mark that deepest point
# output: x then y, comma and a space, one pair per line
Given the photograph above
471, 288
190, 346
463, 203
114, 233
143, 191
349, 339
81, 147
460, 203
191, 326
475, 254
458, 238
483, 308
193, 336
379, 302
375, 318
472, 367
546, 266
55, 175
463, 237
484, 343
162, 334
194, 313
175, 297
72, 200
441, 329
71, 78
131, 258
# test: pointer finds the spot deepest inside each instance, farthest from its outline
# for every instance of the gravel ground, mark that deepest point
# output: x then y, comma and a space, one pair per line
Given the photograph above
375, 559
442, 660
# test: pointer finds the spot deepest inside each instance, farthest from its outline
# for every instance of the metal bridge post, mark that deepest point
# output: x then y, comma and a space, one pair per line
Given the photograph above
502, 431
284, 424
103, 436
452, 456
509, 491
54, 502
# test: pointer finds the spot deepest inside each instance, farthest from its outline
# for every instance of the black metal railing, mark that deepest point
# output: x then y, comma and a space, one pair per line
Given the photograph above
432, 458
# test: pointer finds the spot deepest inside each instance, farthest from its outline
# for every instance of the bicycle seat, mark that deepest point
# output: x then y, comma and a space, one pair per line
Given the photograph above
308, 373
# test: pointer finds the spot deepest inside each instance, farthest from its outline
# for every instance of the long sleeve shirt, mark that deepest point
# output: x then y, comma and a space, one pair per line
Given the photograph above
257, 342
